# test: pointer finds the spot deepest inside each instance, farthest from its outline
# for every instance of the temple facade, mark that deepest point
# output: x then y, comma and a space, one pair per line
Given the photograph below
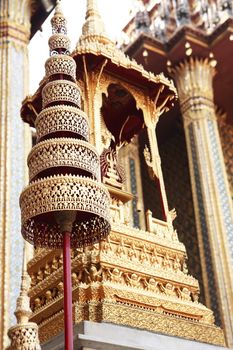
164, 273
188, 41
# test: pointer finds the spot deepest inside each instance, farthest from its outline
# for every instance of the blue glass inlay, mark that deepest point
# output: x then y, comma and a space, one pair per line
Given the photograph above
222, 191
204, 228
133, 183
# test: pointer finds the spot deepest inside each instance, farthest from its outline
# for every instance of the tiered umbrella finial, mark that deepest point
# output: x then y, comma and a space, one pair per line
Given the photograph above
64, 168
65, 204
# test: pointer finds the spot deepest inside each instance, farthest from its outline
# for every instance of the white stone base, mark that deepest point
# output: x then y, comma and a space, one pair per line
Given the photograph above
105, 336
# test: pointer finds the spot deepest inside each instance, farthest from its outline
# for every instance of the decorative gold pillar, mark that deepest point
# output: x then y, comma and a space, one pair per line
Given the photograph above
211, 195
151, 155
14, 140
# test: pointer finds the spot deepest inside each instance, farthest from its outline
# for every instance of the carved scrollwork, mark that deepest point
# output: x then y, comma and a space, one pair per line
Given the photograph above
66, 152
61, 90
62, 118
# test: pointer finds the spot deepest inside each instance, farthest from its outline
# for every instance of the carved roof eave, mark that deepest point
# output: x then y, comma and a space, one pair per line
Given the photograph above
151, 12
39, 13
204, 38
31, 105
225, 27
120, 60
188, 32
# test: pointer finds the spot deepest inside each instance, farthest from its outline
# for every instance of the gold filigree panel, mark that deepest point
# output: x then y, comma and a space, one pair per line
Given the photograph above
64, 152
61, 90
62, 118
60, 64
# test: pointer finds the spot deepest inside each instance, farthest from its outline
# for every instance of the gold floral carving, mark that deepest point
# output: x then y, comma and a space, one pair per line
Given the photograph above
146, 236
94, 40
152, 321
134, 271
54, 187
126, 267
52, 326
113, 303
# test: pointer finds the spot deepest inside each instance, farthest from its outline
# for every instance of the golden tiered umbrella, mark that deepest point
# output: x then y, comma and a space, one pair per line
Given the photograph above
65, 203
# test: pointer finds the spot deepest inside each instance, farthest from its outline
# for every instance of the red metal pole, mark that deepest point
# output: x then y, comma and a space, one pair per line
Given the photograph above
68, 319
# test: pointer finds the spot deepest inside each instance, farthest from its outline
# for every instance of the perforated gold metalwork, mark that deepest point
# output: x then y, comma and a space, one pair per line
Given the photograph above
58, 21
66, 168
60, 64
59, 41
64, 152
62, 118
24, 336
61, 90
61, 193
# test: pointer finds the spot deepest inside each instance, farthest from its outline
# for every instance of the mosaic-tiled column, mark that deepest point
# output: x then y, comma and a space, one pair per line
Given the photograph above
129, 158
14, 142
211, 195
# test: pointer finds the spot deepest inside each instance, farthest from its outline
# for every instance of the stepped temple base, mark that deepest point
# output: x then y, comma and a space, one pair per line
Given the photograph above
105, 336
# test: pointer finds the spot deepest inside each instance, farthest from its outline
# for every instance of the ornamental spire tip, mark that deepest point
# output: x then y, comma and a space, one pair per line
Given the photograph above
93, 29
